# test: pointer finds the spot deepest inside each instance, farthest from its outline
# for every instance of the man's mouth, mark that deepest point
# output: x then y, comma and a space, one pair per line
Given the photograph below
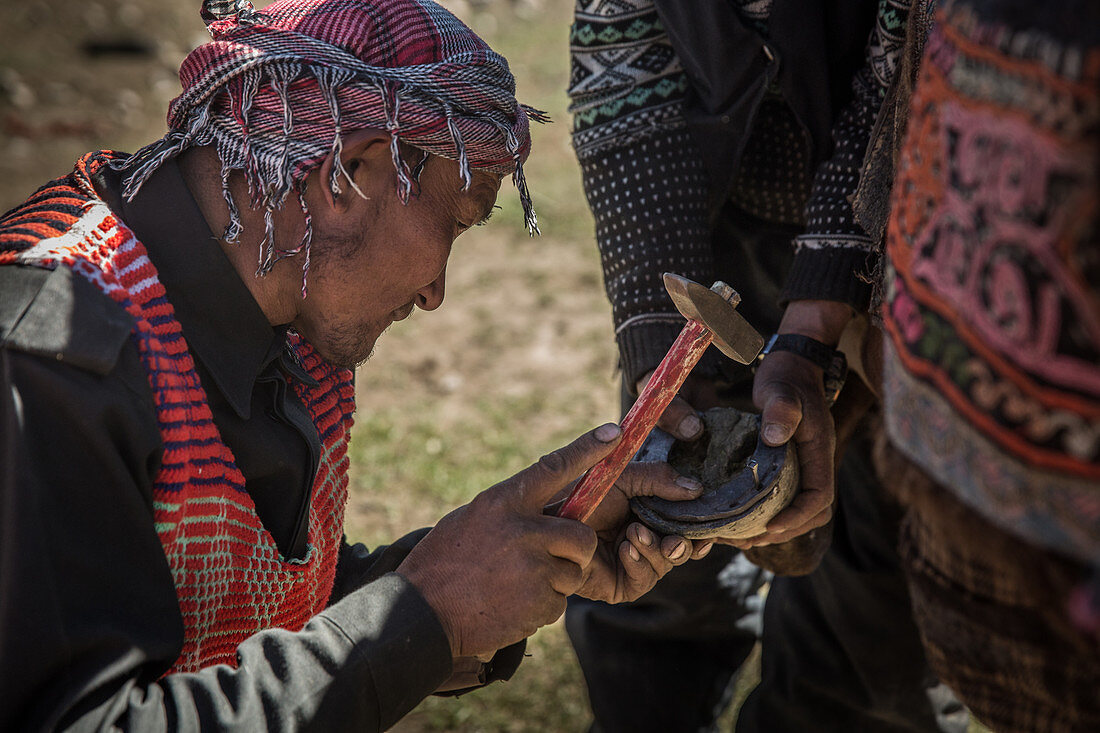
402, 313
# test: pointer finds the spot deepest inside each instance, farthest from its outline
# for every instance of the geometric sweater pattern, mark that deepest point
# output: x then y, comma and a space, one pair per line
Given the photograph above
230, 578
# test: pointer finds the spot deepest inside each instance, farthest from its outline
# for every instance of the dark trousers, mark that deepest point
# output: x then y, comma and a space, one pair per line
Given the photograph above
840, 651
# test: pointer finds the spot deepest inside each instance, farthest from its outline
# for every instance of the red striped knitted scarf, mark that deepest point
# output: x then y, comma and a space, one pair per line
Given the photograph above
230, 579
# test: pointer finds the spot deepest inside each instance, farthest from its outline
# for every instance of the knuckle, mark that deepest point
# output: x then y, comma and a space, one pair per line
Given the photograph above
586, 538
786, 399
573, 576
654, 472
553, 463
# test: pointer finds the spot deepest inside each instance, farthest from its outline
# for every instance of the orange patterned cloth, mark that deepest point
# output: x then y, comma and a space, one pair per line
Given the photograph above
991, 379
992, 375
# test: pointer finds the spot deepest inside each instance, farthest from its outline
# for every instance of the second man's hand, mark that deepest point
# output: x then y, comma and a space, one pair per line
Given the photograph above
789, 390
630, 558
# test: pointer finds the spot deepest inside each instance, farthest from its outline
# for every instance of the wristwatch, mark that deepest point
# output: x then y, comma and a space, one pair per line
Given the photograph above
831, 361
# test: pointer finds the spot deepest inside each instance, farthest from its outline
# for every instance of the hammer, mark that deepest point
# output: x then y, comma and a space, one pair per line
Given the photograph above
712, 317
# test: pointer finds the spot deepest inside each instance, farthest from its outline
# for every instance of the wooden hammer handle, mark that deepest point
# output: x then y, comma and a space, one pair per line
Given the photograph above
663, 386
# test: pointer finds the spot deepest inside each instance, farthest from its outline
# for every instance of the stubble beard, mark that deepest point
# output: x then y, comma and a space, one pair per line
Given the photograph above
344, 343
346, 350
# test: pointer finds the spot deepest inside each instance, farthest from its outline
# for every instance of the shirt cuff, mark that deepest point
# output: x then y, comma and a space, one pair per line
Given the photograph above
642, 346
498, 669
831, 273
397, 635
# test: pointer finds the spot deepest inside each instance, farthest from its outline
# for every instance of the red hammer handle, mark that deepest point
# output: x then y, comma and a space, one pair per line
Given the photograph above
667, 379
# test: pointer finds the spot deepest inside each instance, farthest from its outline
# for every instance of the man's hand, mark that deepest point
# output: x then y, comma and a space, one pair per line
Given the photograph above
789, 391
630, 557
498, 568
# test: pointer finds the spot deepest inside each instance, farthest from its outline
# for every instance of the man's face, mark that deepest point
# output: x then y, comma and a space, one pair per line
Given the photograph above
380, 259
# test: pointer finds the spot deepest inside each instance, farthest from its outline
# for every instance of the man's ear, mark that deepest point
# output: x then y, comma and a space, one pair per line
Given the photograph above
360, 152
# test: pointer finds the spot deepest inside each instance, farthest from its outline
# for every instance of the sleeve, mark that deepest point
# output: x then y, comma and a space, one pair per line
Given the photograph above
89, 621
835, 257
642, 174
358, 565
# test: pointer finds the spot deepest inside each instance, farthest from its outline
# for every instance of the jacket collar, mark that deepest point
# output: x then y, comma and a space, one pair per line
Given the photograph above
222, 323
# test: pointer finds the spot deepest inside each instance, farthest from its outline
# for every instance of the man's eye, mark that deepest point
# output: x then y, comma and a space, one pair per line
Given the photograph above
488, 216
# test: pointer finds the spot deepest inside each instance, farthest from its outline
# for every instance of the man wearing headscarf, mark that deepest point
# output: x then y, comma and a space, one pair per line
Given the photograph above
178, 330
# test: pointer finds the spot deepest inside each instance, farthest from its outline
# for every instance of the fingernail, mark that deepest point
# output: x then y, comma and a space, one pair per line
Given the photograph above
633, 552
645, 536
677, 551
690, 426
775, 434
704, 551
607, 433
689, 483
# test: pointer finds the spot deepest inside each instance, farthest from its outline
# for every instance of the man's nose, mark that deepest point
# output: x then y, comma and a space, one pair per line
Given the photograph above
431, 297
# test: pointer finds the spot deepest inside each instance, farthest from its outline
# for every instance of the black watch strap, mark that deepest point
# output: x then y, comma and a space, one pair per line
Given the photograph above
805, 346
831, 361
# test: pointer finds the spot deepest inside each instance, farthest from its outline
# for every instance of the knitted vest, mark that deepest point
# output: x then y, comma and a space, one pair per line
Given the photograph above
230, 578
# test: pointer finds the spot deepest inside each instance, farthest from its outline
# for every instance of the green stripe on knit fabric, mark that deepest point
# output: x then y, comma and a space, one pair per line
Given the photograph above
200, 500
221, 520
263, 553
640, 97
325, 457
587, 33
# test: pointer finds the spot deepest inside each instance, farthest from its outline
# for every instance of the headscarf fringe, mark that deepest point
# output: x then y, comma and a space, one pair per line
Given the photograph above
419, 168
232, 233
281, 78
307, 238
391, 96
535, 115
460, 146
249, 86
329, 80
472, 90
267, 246
144, 162
529, 217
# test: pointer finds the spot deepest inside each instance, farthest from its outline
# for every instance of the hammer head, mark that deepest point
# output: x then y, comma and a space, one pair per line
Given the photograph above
716, 308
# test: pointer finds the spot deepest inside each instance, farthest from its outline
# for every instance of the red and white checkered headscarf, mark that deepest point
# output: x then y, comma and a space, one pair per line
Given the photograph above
275, 90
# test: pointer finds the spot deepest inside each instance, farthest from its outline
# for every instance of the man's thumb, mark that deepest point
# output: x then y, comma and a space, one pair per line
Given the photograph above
555, 470
780, 418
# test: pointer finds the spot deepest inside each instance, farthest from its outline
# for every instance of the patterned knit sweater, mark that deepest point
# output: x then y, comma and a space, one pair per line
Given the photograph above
230, 578
647, 185
992, 373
